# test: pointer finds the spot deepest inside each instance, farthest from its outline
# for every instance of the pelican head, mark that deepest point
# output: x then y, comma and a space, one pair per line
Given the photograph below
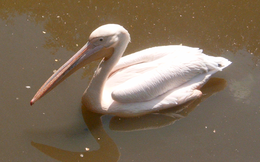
102, 44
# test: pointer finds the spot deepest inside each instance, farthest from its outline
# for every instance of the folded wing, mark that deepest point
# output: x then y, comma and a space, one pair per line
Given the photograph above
140, 78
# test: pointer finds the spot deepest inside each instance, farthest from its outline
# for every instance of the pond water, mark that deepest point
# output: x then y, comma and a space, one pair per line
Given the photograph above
37, 37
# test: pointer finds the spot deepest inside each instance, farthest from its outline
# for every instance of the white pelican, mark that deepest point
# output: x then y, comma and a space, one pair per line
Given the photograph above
143, 82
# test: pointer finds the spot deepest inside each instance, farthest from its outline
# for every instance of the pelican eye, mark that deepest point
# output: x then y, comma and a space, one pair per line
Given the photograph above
101, 39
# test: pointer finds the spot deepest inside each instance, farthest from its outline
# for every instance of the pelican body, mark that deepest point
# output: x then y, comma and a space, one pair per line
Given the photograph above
140, 83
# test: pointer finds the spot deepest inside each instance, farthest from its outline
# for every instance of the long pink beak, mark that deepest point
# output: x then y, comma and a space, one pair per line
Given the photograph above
82, 57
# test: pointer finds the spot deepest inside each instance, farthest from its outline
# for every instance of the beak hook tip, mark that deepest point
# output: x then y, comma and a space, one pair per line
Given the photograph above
31, 102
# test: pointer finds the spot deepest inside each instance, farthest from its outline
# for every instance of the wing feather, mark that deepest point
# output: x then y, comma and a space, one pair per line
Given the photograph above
154, 53
150, 73
166, 76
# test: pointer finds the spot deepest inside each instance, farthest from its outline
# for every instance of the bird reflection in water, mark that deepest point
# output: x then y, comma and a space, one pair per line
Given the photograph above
108, 150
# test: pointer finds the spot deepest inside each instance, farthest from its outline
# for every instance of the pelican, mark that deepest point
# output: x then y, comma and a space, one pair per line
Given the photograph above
140, 83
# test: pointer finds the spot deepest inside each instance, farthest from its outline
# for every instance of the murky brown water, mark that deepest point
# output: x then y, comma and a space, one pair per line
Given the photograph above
39, 36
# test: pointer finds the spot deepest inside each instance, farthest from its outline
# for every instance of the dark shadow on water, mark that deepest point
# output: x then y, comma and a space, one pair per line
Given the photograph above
108, 150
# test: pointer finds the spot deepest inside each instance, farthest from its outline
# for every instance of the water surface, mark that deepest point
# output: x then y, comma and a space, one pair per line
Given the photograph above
37, 37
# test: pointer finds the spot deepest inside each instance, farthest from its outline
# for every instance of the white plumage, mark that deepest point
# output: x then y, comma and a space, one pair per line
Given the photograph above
140, 83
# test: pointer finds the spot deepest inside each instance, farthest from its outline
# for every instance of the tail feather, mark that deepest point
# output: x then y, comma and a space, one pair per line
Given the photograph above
223, 62
217, 63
